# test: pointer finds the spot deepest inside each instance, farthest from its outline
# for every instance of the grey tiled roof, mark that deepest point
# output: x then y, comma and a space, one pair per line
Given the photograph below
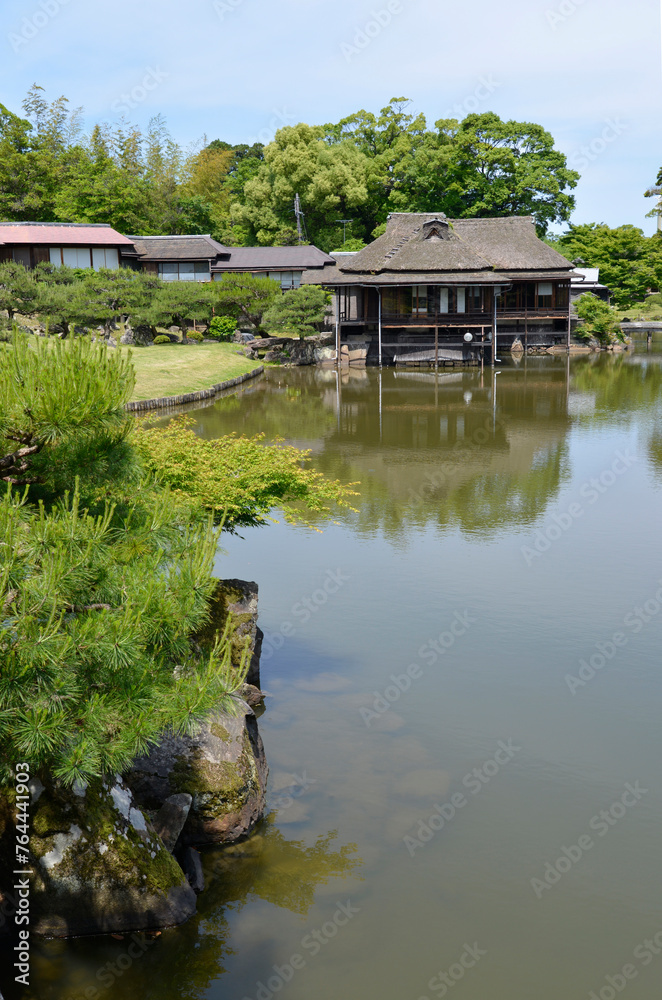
177, 247
272, 258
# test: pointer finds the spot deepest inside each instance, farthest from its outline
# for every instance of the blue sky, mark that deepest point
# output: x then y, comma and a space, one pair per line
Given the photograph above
590, 71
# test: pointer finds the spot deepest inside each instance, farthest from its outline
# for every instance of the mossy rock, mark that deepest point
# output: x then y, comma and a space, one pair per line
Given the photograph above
222, 767
236, 599
98, 865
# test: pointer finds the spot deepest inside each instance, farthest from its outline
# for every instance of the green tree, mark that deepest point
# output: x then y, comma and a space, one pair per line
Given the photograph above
101, 586
599, 320
486, 167
238, 480
630, 263
244, 298
18, 289
655, 191
300, 311
329, 178
179, 303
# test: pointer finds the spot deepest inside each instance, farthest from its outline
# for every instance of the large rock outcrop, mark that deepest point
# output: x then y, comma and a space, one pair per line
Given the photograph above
99, 866
222, 767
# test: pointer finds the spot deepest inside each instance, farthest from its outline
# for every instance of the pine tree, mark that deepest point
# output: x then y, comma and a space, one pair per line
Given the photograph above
105, 576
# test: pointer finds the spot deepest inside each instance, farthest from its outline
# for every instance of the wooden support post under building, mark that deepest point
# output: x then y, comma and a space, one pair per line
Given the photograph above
379, 332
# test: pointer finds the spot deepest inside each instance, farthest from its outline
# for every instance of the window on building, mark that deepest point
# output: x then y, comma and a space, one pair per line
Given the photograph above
443, 300
474, 299
544, 295
105, 257
184, 270
562, 292
419, 300
286, 279
390, 301
96, 257
77, 256
460, 299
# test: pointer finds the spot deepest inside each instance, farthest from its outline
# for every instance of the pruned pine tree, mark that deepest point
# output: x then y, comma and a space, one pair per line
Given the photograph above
104, 581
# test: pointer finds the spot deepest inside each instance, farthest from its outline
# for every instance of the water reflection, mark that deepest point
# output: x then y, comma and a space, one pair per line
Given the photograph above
483, 451
268, 867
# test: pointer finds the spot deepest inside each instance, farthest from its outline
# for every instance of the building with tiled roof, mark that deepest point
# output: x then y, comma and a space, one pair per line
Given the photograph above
200, 258
72, 243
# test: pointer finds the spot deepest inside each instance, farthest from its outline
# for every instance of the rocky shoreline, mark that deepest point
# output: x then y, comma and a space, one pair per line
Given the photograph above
121, 855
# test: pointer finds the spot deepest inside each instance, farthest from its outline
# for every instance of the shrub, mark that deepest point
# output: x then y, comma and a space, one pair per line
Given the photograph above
222, 328
195, 335
162, 339
599, 320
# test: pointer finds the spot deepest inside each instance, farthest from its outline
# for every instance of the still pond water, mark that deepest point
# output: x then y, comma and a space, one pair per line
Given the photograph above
464, 721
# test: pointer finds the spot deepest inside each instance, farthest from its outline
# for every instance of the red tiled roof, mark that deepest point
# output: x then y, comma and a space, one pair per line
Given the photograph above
61, 234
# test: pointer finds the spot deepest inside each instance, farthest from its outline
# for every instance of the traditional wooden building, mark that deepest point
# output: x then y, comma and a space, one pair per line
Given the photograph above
75, 244
201, 258
433, 289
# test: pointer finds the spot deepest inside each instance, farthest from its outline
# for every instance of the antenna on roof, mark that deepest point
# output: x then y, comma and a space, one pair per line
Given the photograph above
301, 225
345, 223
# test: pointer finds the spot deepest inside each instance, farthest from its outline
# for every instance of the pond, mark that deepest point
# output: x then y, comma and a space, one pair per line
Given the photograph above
464, 701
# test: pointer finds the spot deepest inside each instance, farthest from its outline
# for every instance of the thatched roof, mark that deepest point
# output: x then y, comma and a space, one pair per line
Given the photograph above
418, 246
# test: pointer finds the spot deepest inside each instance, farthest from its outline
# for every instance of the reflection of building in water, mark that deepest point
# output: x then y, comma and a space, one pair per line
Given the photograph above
481, 450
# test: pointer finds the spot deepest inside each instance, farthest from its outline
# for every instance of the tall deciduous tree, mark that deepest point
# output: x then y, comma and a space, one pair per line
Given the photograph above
331, 181
485, 167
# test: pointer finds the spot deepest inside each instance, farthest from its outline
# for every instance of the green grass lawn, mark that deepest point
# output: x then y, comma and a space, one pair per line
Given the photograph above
649, 309
173, 369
